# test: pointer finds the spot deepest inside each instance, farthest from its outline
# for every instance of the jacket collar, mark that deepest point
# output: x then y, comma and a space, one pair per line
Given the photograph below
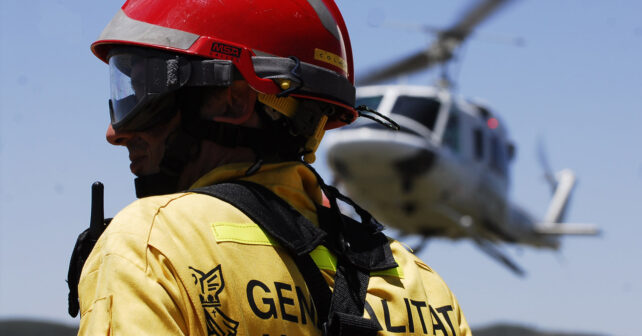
291, 181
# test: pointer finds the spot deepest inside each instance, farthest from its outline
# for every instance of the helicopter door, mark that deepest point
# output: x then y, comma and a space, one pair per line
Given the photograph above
451, 138
493, 183
478, 144
458, 176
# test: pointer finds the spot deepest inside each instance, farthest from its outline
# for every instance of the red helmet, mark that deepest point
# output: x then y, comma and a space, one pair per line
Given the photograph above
282, 48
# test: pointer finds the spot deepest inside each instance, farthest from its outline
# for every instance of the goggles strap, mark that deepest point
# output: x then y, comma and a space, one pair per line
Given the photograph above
305, 78
268, 143
212, 72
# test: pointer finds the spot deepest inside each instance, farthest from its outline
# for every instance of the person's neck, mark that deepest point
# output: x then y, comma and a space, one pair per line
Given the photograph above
211, 156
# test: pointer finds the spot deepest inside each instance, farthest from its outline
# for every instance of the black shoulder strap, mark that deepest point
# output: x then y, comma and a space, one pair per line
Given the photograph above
267, 210
339, 312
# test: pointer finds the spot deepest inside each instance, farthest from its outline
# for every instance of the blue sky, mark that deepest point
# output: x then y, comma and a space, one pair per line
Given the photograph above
577, 83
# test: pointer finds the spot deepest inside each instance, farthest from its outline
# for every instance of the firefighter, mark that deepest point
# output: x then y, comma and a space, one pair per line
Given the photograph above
222, 105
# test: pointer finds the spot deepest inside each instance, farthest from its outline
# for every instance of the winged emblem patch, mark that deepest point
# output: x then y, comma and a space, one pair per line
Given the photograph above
210, 285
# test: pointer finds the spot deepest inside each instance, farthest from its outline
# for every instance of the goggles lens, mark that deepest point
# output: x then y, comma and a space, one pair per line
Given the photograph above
123, 87
139, 88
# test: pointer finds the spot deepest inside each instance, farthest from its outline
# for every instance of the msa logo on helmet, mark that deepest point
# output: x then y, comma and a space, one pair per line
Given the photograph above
225, 49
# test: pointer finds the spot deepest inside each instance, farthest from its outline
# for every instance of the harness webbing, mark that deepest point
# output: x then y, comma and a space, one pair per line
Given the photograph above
340, 312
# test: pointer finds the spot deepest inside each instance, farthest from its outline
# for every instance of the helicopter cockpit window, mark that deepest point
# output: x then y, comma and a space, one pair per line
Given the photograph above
421, 109
372, 101
451, 134
498, 161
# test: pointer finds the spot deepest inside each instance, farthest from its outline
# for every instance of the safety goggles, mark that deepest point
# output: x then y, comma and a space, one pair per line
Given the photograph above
142, 82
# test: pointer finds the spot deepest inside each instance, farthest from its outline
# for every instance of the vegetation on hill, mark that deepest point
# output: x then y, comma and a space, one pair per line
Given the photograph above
517, 330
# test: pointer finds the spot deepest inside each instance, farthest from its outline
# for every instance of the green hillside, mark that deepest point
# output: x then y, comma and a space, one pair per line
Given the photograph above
516, 330
35, 328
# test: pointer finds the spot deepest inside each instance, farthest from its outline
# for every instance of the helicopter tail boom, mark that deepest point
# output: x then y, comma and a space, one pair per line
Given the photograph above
552, 223
577, 229
564, 186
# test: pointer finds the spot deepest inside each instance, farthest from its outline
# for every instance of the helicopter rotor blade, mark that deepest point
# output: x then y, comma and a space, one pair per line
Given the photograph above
442, 49
473, 17
418, 61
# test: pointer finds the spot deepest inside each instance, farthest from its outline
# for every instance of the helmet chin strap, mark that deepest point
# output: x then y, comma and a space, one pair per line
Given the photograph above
270, 144
180, 149
155, 184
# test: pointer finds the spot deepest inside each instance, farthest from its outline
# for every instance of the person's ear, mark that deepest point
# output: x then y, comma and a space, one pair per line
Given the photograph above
232, 105
242, 99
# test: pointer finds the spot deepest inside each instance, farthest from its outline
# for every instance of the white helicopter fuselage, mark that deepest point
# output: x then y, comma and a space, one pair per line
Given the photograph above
444, 174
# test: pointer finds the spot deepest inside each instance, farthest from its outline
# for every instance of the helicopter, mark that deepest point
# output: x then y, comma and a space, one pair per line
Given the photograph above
446, 172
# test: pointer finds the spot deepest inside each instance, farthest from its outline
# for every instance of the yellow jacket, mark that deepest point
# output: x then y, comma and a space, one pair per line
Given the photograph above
191, 264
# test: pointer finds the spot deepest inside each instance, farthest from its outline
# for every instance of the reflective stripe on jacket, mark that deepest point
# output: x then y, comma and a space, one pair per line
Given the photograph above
191, 264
